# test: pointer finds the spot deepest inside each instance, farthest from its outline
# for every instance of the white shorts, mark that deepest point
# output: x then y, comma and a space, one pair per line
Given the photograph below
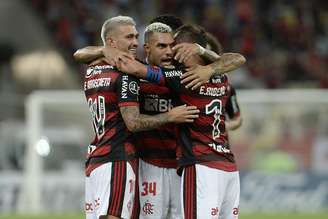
209, 193
159, 190
110, 190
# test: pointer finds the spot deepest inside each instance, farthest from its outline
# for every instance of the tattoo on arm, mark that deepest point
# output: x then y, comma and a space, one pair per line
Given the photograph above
227, 62
136, 122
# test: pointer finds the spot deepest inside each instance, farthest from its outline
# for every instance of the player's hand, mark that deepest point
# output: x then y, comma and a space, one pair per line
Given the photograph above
183, 51
183, 113
196, 76
128, 65
113, 55
100, 60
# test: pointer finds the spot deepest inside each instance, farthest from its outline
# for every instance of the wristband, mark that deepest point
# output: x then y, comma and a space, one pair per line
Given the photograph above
201, 49
153, 74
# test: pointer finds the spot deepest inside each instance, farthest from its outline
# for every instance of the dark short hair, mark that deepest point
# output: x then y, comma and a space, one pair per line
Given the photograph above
191, 33
213, 43
171, 20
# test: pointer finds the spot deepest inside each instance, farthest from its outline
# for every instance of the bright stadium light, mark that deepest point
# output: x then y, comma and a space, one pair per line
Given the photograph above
43, 147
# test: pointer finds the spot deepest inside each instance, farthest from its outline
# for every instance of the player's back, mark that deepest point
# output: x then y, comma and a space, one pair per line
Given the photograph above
106, 89
204, 141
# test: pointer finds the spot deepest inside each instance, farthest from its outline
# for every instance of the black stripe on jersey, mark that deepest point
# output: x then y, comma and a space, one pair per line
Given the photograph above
158, 154
108, 158
217, 157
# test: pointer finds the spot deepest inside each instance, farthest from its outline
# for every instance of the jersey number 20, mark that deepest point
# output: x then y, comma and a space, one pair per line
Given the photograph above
215, 107
97, 109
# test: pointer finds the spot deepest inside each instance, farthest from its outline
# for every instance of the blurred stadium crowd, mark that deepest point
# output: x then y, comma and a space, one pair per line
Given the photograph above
284, 41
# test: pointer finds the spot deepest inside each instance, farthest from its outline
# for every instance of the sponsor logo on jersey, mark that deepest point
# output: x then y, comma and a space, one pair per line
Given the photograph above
153, 104
173, 73
124, 92
98, 69
213, 91
96, 83
133, 87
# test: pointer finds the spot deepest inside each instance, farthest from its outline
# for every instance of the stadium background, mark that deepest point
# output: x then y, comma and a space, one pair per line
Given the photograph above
282, 148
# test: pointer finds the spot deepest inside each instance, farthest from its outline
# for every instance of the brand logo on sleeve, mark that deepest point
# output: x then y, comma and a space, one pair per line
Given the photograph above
133, 87
173, 73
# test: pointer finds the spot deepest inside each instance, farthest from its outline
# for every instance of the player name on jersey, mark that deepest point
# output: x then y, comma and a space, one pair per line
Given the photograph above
213, 91
96, 83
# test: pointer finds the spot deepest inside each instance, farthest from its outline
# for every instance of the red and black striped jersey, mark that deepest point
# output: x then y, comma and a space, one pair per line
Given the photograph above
106, 90
157, 146
205, 141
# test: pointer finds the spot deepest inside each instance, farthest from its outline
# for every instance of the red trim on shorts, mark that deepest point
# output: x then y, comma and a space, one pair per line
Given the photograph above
190, 192
117, 190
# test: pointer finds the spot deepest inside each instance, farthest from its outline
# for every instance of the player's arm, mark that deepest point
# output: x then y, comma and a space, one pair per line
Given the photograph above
88, 54
199, 75
234, 123
92, 54
183, 51
140, 122
233, 111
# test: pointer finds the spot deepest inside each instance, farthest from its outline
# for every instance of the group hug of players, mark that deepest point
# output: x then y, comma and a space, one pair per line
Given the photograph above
161, 147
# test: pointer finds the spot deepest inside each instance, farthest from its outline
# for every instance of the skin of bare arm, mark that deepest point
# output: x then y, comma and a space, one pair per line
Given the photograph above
196, 76
96, 54
185, 50
199, 75
234, 123
140, 122
88, 54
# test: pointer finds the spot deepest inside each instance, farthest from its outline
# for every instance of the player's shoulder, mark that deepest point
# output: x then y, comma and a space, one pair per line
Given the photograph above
174, 71
99, 68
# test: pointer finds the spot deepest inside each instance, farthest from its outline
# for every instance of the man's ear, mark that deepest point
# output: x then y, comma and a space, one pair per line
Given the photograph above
111, 42
146, 47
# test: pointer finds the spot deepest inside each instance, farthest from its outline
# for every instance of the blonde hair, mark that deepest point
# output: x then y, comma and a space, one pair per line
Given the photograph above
111, 23
156, 27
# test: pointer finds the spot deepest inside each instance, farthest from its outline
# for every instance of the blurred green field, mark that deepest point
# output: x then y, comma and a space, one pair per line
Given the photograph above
323, 215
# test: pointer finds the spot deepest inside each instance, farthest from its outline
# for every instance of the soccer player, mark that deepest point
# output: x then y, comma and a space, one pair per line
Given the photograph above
113, 101
155, 200
159, 183
210, 179
232, 107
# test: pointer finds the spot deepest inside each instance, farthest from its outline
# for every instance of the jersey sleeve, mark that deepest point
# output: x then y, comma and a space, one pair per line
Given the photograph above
171, 79
232, 107
127, 89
